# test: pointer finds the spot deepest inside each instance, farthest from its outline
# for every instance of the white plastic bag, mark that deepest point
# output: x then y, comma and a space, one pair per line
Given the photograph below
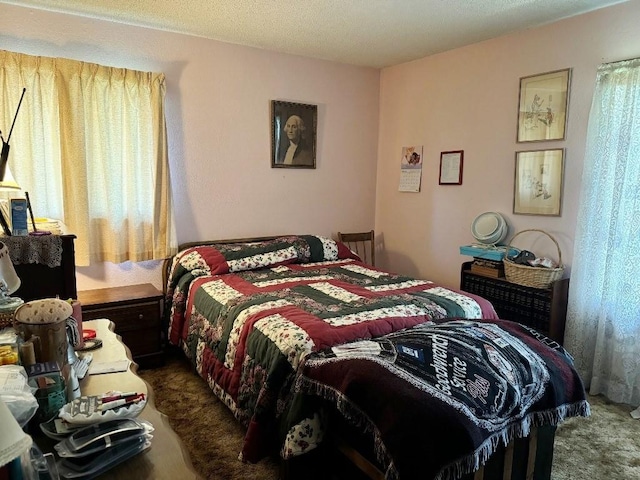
17, 394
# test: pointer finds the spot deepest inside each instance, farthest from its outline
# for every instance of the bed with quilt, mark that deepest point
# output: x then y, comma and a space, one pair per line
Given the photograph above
291, 332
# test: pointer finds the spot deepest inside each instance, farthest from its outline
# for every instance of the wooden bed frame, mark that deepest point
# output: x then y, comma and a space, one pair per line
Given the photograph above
528, 458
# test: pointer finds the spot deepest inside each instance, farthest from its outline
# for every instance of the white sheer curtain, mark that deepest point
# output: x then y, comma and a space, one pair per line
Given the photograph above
90, 147
603, 321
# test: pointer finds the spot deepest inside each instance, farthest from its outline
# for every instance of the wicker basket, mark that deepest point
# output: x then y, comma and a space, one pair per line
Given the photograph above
6, 319
528, 276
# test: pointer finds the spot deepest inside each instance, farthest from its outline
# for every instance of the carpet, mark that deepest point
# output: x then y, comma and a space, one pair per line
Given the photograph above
605, 446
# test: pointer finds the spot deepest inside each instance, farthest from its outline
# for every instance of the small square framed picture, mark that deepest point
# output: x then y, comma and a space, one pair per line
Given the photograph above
451, 167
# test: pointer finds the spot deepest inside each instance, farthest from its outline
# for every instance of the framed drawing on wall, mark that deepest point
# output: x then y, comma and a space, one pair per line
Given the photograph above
293, 135
542, 107
538, 182
451, 167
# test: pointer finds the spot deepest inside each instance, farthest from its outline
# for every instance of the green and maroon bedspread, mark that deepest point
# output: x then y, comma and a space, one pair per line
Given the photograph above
248, 314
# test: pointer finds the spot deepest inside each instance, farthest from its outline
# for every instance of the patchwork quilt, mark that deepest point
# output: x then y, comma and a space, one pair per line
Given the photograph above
248, 314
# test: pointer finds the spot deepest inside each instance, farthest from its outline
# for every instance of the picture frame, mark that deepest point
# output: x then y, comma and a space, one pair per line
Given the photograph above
543, 106
451, 164
293, 125
538, 182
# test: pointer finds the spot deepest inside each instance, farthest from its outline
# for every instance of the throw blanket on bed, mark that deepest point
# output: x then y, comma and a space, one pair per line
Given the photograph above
248, 314
438, 398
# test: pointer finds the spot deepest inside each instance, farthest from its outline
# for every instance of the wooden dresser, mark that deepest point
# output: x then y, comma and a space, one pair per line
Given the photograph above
136, 311
42, 281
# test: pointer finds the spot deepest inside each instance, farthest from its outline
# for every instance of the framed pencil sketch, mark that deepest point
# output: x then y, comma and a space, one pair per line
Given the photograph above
543, 103
538, 182
451, 167
293, 135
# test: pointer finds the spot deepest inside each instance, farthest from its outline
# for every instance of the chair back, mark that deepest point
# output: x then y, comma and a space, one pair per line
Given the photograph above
362, 244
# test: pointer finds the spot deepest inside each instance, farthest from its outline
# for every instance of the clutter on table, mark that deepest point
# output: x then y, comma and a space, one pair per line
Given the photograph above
97, 432
94, 449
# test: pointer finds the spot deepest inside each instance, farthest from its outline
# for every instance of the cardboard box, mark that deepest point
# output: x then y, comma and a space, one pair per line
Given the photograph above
487, 271
19, 217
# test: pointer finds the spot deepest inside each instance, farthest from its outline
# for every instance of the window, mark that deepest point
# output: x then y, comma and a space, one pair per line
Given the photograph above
90, 147
603, 321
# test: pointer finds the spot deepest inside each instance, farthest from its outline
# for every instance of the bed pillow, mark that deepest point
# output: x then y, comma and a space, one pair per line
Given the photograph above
237, 257
323, 249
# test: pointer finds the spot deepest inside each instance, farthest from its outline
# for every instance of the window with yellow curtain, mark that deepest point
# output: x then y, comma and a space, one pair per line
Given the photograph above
90, 146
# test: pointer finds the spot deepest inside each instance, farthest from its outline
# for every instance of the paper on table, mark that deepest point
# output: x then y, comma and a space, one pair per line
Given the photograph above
97, 368
11, 380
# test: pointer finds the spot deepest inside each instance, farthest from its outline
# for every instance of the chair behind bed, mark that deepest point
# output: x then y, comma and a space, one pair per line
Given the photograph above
362, 243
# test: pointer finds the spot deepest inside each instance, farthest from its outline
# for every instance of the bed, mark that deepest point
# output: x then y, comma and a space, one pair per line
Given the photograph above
294, 333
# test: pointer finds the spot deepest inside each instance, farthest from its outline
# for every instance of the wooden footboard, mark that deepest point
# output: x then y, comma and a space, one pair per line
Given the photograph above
528, 458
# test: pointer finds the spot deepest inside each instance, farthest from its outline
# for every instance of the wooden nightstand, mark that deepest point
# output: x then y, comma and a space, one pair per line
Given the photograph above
136, 311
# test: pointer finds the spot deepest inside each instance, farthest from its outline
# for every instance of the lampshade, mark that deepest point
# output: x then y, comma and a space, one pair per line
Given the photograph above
13, 441
8, 275
9, 183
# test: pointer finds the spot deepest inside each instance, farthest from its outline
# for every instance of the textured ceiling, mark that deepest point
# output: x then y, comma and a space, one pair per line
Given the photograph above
375, 33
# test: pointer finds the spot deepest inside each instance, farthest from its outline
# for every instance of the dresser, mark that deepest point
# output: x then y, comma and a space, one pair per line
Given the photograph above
544, 309
136, 312
45, 265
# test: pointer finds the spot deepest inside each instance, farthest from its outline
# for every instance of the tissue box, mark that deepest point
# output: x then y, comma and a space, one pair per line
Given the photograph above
19, 217
51, 392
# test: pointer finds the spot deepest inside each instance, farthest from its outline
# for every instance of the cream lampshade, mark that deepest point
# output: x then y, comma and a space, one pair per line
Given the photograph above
9, 280
9, 183
13, 441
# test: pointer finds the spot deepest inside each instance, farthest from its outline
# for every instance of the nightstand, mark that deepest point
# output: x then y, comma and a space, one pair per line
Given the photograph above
544, 309
136, 311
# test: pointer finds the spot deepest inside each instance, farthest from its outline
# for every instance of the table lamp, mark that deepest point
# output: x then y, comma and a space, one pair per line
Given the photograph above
13, 441
8, 183
9, 281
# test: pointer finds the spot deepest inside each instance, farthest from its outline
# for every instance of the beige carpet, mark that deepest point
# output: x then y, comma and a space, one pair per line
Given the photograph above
605, 446
201, 420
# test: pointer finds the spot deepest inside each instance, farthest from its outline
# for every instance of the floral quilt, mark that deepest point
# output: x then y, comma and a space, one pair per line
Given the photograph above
248, 314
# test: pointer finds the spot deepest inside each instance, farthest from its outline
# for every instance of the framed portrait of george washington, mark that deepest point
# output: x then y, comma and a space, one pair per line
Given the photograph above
293, 134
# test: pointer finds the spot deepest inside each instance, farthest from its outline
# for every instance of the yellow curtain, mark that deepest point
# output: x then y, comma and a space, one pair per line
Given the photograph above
93, 139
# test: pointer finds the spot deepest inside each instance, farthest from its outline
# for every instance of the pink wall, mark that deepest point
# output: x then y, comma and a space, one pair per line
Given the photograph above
218, 115
467, 99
